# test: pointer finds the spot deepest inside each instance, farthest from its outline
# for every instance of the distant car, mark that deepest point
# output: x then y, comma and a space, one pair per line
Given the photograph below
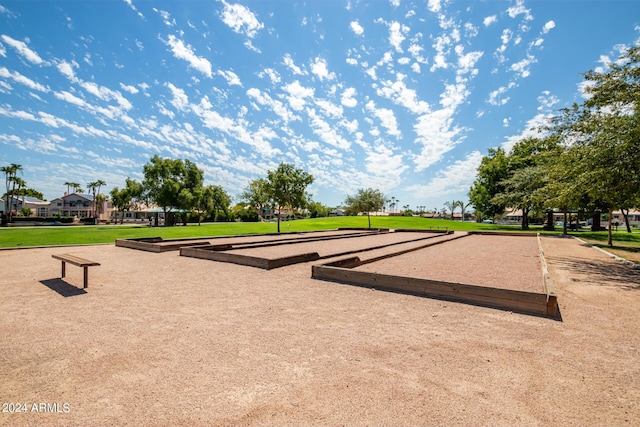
487, 221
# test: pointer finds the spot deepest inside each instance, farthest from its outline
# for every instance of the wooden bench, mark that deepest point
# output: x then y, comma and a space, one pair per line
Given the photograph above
75, 260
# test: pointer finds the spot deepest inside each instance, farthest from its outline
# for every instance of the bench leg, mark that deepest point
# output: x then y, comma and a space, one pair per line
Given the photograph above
64, 264
86, 277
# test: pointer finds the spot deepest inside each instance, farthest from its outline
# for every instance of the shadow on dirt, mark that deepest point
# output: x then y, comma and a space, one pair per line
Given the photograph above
601, 273
63, 288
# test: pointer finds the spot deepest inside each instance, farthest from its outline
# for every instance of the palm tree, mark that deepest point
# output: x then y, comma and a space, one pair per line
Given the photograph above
75, 186
451, 206
10, 173
94, 187
20, 183
463, 207
6, 170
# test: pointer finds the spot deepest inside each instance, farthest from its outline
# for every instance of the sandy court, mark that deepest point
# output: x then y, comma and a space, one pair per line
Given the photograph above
268, 238
327, 248
160, 339
483, 260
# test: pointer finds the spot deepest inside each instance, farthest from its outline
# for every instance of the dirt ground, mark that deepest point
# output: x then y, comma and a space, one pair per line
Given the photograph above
159, 340
488, 261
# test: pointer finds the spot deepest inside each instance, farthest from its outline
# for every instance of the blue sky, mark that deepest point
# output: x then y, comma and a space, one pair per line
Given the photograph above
402, 96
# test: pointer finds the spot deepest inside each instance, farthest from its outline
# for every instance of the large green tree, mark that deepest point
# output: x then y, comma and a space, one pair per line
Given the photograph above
258, 195
529, 163
288, 188
171, 184
604, 135
283, 188
211, 200
365, 200
493, 170
123, 199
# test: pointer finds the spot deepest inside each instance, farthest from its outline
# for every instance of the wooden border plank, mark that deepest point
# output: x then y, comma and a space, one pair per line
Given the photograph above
514, 300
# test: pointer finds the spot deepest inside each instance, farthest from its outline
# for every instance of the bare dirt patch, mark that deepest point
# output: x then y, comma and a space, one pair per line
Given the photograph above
160, 339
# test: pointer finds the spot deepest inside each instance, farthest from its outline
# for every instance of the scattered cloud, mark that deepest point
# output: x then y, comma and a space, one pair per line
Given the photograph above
356, 28
23, 49
241, 19
231, 77
185, 52
490, 20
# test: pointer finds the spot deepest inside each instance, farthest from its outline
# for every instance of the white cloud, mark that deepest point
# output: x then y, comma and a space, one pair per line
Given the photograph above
166, 17
348, 97
182, 51
271, 73
522, 67
400, 94
278, 107
70, 98
297, 94
441, 46
180, 99
456, 178
22, 48
288, 61
385, 166
326, 132
547, 101
241, 19
531, 130
467, 61
436, 132
19, 78
519, 9
396, 35
319, 68
490, 20
134, 8
329, 108
356, 28
548, 27
434, 6
128, 88
387, 118
496, 97
231, 77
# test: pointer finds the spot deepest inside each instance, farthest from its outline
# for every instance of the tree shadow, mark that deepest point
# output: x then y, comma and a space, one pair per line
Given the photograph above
62, 287
614, 274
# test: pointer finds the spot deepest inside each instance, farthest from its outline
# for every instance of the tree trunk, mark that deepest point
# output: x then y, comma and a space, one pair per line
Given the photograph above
625, 215
595, 222
564, 222
525, 218
550, 225
278, 220
369, 218
610, 240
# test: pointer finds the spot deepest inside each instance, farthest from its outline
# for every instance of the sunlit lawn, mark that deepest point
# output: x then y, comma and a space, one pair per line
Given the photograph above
85, 234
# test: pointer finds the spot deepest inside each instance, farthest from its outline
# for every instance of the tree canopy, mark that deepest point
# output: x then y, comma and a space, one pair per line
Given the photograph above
590, 157
368, 201
283, 188
171, 184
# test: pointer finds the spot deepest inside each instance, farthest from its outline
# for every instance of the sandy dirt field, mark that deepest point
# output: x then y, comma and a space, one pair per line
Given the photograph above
327, 248
487, 262
159, 340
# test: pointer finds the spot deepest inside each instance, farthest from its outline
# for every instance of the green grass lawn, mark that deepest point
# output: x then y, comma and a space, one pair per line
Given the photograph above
626, 245
86, 234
